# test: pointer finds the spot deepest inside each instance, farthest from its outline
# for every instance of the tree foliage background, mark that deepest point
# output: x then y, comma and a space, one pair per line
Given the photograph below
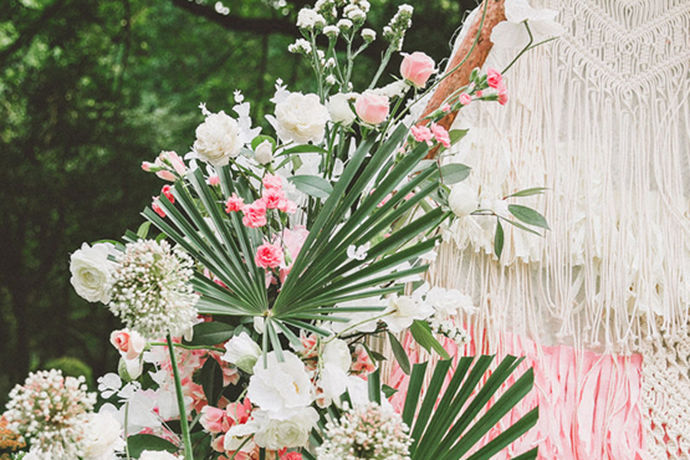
88, 90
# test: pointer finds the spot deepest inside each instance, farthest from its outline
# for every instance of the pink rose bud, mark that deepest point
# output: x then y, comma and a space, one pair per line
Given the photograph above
445, 108
156, 207
234, 204
177, 163
167, 191
464, 98
272, 181
479, 93
268, 256
502, 95
372, 108
254, 214
146, 166
417, 68
129, 343
493, 78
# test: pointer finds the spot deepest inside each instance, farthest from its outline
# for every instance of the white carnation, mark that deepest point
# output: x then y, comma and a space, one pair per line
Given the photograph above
282, 386
92, 272
301, 118
339, 108
462, 199
218, 139
102, 437
242, 351
289, 431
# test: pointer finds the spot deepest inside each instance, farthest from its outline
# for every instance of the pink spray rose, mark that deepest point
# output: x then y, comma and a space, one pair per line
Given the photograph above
268, 256
372, 108
254, 214
441, 134
493, 78
465, 98
272, 181
234, 204
214, 420
129, 343
417, 68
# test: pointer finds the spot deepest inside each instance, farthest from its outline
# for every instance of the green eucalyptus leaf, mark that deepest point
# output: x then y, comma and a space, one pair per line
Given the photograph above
498, 239
212, 380
211, 333
140, 442
421, 332
457, 134
528, 192
399, 353
528, 215
312, 185
454, 173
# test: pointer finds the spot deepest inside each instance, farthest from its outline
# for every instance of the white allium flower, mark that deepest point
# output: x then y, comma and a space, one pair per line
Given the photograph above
369, 431
344, 24
301, 118
92, 271
264, 152
282, 386
218, 139
102, 437
242, 351
157, 455
152, 293
308, 18
290, 430
339, 108
512, 33
51, 412
462, 199
331, 31
368, 35
300, 46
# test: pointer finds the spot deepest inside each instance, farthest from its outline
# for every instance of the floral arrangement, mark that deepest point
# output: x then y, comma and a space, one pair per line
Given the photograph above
265, 266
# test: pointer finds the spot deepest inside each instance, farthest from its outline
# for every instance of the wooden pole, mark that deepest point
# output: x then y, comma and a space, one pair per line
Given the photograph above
495, 13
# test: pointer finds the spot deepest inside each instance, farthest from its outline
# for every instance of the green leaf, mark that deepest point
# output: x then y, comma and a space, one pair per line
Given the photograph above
498, 239
399, 353
312, 185
421, 332
143, 230
211, 333
260, 139
454, 173
140, 442
388, 391
528, 215
528, 192
212, 380
374, 384
457, 134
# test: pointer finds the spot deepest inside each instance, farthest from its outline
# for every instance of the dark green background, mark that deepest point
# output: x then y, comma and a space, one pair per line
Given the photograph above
91, 88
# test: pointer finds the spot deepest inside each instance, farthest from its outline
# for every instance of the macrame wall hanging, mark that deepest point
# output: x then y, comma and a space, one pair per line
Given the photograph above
601, 117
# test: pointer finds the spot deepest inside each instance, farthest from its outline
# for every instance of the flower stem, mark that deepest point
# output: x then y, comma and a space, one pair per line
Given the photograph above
188, 454
187, 347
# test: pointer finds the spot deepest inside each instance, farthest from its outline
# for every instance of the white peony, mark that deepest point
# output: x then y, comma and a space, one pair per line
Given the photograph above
242, 351
512, 33
339, 108
218, 139
157, 455
301, 118
102, 437
289, 431
92, 272
281, 386
264, 152
462, 199
404, 310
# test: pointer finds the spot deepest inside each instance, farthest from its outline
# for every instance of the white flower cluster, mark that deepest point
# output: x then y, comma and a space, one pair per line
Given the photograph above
395, 31
447, 328
301, 46
151, 290
310, 19
50, 412
366, 432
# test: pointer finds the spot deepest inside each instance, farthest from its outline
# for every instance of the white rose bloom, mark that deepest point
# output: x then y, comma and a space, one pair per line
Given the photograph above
282, 386
404, 310
339, 108
291, 431
92, 272
301, 118
462, 199
242, 351
157, 455
337, 352
102, 437
218, 139
264, 152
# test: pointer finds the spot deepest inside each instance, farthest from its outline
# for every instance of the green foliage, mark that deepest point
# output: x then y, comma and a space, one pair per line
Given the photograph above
72, 367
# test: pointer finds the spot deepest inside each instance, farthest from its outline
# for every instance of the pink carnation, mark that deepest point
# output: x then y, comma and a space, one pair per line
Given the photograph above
422, 134
254, 214
272, 181
493, 78
273, 197
156, 207
502, 95
167, 191
445, 107
213, 180
166, 175
479, 94
269, 256
464, 98
234, 204
287, 206
441, 134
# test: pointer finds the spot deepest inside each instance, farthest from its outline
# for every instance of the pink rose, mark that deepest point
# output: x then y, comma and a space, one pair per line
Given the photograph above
214, 420
254, 214
268, 256
272, 181
129, 343
157, 208
465, 98
493, 78
441, 134
167, 191
479, 94
417, 68
234, 204
273, 197
372, 108
422, 134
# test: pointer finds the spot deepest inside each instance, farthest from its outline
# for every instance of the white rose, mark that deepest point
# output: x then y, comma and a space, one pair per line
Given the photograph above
301, 118
291, 431
282, 386
337, 352
339, 108
157, 455
218, 139
92, 272
242, 351
404, 310
462, 199
102, 437
264, 152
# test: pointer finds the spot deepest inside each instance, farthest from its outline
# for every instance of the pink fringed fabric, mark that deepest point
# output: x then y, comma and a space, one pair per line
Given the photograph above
589, 403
